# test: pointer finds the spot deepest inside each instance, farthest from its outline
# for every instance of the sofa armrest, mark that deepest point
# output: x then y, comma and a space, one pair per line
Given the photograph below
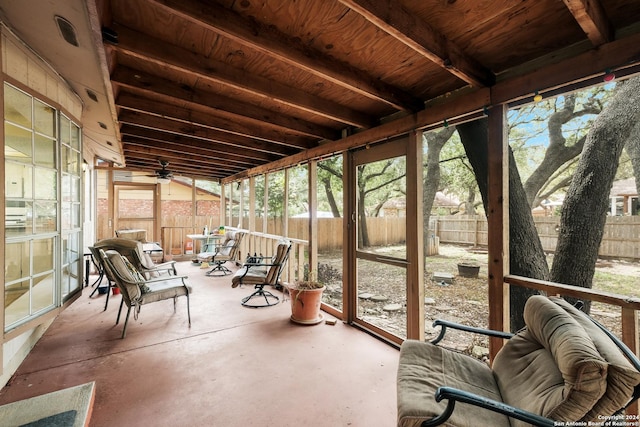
454, 395
444, 324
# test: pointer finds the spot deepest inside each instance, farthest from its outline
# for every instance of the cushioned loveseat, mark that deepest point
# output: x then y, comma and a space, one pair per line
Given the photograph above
561, 369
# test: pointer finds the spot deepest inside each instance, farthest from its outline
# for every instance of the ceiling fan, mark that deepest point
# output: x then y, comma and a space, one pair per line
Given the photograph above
163, 175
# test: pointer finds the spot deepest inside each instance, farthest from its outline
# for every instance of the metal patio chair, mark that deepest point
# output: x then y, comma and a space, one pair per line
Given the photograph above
262, 271
137, 290
220, 254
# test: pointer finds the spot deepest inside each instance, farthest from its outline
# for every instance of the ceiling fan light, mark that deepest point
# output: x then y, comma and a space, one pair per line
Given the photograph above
163, 180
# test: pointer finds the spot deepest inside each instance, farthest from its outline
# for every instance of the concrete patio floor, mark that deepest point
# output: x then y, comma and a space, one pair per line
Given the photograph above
234, 366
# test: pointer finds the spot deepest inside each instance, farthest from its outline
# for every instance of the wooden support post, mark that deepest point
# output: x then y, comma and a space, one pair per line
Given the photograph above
498, 221
313, 215
415, 239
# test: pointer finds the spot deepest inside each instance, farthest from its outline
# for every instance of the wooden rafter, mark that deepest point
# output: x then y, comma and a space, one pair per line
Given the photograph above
141, 148
391, 17
593, 20
276, 44
149, 160
156, 52
196, 173
139, 82
200, 132
209, 147
202, 115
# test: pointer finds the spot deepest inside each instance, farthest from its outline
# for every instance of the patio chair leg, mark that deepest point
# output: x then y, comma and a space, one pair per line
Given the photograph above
188, 311
106, 303
126, 322
119, 311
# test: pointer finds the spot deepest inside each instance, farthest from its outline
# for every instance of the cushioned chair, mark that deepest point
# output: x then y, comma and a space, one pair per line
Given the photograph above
220, 254
562, 368
137, 290
132, 249
261, 271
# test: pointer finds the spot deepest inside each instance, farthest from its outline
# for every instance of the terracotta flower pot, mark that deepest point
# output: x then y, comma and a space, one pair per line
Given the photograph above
305, 305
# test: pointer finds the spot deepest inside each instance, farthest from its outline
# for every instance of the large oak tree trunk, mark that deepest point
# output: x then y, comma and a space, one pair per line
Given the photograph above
525, 255
586, 205
435, 142
633, 150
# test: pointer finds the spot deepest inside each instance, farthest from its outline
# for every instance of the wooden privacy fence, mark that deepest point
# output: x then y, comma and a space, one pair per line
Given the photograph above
621, 238
382, 231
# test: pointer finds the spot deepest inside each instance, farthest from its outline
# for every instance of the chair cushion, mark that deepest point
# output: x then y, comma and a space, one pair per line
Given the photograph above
552, 367
277, 260
164, 289
119, 263
622, 377
255, 276
424, 367
226, 250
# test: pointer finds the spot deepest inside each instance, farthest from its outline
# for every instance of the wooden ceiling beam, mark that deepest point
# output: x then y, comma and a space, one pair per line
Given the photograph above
391, 17
276, 44
238, 153
202, 115
146, 165
593, 20
183, 153
140, 82
193, 131
139, 154
157, 52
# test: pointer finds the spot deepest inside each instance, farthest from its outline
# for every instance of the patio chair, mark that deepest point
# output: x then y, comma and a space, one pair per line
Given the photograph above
137, 290
132, 249
220, 254
261, 271
563, 368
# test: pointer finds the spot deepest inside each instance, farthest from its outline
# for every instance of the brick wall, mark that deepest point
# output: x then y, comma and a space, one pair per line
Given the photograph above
134, 209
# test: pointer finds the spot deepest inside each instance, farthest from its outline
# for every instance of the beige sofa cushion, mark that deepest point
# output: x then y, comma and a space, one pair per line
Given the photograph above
622, 377
552, 367
424, 367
